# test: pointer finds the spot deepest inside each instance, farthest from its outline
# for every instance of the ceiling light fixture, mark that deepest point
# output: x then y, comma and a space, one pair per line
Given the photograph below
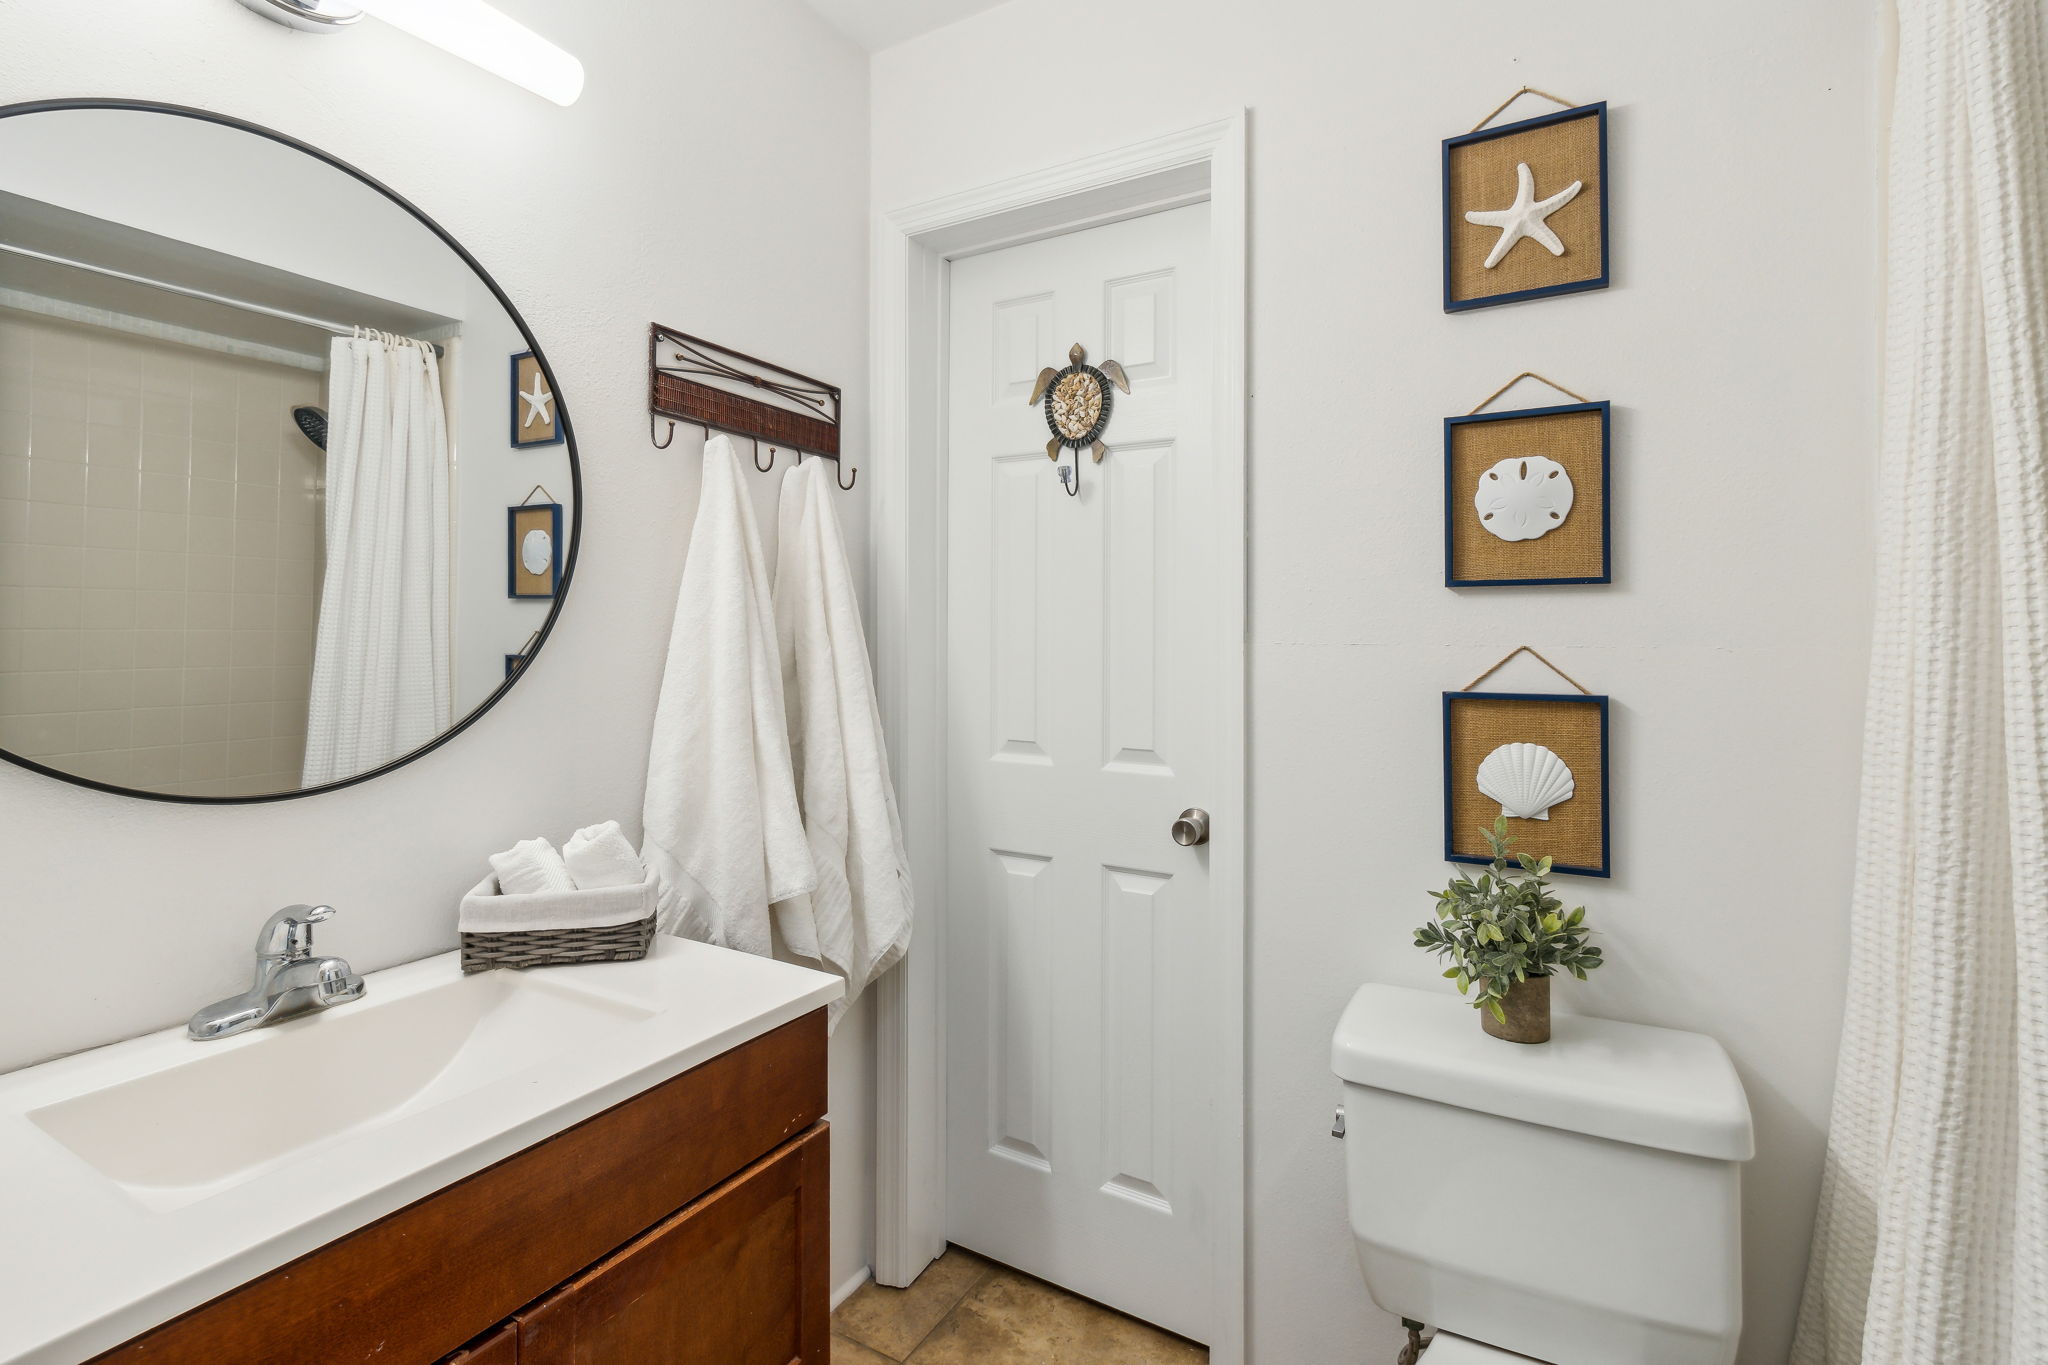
469, 29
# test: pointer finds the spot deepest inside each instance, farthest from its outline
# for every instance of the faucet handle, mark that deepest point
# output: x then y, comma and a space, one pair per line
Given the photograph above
288, 934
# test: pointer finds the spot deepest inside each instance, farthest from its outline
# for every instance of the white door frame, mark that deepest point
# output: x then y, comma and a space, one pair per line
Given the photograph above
908, 543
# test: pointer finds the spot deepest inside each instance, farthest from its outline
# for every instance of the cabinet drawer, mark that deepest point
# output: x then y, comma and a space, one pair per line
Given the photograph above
738, 1278
499, 1348
422, 1282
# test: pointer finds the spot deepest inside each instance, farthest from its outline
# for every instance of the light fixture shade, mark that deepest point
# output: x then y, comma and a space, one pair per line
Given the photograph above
479, 33
309, 16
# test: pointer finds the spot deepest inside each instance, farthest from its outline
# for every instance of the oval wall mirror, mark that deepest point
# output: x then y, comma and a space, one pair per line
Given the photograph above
279, 463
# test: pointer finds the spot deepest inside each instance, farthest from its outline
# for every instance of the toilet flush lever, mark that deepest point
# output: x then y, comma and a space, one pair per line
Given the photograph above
1337, 1124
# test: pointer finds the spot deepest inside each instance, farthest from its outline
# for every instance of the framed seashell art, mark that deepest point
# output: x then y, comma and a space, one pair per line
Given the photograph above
1525, 207
1526, 497
1538, 758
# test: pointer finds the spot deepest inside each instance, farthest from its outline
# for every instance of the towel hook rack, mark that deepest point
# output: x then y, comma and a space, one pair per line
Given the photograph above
703, 384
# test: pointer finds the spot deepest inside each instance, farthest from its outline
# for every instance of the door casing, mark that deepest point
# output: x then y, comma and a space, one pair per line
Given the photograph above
912, 247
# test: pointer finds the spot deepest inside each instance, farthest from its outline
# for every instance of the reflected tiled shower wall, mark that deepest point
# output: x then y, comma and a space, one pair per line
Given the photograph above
160, 560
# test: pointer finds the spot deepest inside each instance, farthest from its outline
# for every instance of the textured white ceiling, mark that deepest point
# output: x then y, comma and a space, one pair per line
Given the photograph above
876, 24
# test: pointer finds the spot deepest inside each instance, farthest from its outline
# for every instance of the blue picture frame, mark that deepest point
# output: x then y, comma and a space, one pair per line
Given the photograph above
1596, 111
561, 432
554, 513
1452, 501
1605, 867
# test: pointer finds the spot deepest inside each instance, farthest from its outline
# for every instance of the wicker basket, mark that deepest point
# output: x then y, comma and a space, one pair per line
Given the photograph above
625, 930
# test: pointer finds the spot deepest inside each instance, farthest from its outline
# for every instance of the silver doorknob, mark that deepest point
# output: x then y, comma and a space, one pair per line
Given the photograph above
1191, 828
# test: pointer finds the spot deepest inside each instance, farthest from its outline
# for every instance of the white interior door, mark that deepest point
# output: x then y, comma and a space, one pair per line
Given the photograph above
1083, 649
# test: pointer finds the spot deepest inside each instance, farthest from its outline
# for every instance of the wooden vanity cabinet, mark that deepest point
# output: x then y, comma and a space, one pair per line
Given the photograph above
685, 1226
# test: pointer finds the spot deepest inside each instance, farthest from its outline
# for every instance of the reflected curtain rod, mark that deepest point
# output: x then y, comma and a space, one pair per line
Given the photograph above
185, 291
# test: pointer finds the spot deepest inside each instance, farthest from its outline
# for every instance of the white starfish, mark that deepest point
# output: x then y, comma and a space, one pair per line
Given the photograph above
536, 403
1524, 217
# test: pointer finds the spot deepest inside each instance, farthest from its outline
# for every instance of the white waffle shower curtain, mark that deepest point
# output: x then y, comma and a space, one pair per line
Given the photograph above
380, 663
1932, 1243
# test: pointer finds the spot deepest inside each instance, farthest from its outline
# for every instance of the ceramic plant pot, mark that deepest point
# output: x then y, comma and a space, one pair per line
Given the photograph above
1527, 1004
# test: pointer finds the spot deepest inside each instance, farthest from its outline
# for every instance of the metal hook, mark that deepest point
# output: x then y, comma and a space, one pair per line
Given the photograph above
1070, 475
660, 445
758, 466
846, 487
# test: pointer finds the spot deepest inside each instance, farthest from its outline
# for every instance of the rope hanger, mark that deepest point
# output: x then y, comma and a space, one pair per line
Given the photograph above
1525, 90
1526, 374
527, 501
1531, 652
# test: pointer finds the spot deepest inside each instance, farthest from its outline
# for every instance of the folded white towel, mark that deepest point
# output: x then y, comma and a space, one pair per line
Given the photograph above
721, 827
485, 911
531, 867
601, 855
857, 922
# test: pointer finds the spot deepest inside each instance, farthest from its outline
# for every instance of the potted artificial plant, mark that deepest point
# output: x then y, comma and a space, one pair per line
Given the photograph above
1504, 935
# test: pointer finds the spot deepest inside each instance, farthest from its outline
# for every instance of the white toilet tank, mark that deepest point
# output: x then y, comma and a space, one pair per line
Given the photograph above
1576, 1201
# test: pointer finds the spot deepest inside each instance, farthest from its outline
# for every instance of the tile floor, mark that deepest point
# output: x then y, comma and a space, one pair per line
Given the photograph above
965, 1309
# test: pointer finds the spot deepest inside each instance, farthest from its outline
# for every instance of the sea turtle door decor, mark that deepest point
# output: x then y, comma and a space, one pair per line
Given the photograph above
1077, 404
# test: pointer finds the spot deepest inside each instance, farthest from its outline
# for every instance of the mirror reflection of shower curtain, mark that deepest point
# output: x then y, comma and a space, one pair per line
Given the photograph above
381, 679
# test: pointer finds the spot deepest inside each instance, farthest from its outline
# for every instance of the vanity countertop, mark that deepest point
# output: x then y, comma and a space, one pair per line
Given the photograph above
142, 1179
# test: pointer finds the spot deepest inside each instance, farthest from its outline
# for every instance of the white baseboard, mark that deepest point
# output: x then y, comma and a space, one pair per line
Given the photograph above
853, 1282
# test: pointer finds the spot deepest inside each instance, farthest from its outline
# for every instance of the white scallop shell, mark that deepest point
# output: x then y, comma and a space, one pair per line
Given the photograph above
1523, 498
1527, 780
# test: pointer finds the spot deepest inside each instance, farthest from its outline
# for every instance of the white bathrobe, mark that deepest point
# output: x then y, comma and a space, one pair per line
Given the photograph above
721, 824
857, 922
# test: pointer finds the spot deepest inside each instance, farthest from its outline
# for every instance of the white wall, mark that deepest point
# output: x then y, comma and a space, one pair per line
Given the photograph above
712, 177
1739, 349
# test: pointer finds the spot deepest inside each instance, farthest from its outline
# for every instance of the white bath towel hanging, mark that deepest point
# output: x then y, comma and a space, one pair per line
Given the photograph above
721, 828
857, 922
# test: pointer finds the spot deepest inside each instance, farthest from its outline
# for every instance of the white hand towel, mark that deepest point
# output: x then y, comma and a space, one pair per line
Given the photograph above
857, 921
601, 855
722, 829
529, 867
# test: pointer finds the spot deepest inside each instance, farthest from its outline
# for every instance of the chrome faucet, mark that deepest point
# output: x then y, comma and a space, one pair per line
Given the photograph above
289, 979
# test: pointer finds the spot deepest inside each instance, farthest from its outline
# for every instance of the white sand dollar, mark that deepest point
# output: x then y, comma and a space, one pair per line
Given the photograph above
536, 551
1527, 780
1523, 498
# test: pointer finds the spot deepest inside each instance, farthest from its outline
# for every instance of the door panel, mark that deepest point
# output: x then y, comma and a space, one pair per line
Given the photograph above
1080, 648
738, 1278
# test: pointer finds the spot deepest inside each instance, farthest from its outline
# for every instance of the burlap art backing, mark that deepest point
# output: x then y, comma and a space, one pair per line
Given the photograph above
1482, 177
539, 517
540, 432
1569, 728
1574, 549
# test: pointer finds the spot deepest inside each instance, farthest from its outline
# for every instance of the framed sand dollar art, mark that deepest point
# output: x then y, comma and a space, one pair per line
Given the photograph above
1526, 497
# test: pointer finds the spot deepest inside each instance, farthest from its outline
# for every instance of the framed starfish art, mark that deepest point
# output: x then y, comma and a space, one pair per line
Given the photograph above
1525, 209
534, 419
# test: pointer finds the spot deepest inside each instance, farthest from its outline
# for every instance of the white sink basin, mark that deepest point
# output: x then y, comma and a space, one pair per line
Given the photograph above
140, 1180
187, 1131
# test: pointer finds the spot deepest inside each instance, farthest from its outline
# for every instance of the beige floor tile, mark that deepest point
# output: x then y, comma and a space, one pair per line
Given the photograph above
894, 1321
846, 1351
1012, 1319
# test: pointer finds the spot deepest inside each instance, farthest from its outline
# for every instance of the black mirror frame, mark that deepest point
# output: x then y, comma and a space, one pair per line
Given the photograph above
547, 627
